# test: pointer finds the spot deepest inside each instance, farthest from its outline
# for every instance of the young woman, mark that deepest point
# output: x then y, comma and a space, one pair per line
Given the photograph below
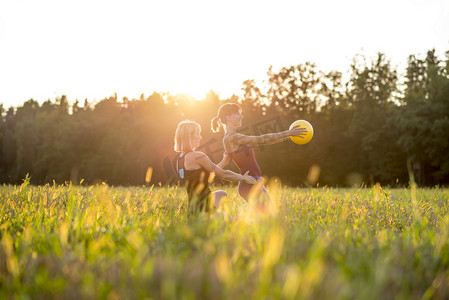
195, 168
239, 146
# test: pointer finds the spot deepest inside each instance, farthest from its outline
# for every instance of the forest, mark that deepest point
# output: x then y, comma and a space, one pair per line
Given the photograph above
373, 124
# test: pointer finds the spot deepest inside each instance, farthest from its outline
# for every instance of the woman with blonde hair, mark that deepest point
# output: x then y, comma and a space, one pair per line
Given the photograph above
239, 146
195, 169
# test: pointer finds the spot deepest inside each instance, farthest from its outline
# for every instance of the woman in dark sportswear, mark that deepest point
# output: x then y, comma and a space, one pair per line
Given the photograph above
239, 146
195, 168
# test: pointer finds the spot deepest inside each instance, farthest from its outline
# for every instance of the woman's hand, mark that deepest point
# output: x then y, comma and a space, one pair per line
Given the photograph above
298, 131
248, 178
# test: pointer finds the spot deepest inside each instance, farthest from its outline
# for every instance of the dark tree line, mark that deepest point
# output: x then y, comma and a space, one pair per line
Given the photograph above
379, 126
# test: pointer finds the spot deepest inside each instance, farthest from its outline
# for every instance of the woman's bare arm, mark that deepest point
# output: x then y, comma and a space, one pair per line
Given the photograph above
203, 160
225, 161
266, 139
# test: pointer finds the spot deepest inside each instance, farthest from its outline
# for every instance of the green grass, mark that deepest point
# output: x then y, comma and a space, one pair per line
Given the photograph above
99, 242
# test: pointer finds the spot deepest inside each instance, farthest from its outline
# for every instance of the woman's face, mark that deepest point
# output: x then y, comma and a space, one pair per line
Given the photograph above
235, 119
196, 139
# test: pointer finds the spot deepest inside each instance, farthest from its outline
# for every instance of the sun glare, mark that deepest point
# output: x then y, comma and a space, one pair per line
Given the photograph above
147, 46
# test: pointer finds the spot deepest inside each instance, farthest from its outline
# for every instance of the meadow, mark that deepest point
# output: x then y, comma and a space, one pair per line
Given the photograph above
102, 242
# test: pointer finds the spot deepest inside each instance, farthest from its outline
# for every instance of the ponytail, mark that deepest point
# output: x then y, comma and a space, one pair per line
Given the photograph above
215, 124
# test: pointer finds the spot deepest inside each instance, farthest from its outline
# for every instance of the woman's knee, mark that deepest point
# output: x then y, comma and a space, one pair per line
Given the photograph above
220, 193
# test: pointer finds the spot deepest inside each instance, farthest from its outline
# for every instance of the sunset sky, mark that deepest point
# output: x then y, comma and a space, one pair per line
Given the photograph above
91, 49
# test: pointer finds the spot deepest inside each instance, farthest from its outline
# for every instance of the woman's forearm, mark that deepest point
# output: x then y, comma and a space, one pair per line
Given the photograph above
229, 175
222, 164
273, 138
277, 141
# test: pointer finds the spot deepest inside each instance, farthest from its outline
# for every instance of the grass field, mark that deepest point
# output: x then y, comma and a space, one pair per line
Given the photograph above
100, 242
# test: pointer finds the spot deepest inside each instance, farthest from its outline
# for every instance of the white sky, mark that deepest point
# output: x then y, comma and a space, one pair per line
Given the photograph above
91, 49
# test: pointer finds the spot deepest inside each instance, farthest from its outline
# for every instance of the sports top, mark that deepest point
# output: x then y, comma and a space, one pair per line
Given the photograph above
196, 183
245, 158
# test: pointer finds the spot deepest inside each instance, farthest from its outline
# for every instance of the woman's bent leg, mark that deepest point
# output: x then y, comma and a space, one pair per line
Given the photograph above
253, 191
257, 195
218, 196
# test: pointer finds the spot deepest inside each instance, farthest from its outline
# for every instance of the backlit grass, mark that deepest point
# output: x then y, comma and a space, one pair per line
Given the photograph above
75, 242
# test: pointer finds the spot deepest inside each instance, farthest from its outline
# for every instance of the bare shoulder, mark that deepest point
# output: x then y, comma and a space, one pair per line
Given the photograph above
194, 156
196, 159
228, 138
198, 155
230, 142
238, 139
202, 160
234, 138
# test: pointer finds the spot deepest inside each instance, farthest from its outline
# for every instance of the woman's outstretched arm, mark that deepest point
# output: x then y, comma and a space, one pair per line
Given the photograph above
267, 139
